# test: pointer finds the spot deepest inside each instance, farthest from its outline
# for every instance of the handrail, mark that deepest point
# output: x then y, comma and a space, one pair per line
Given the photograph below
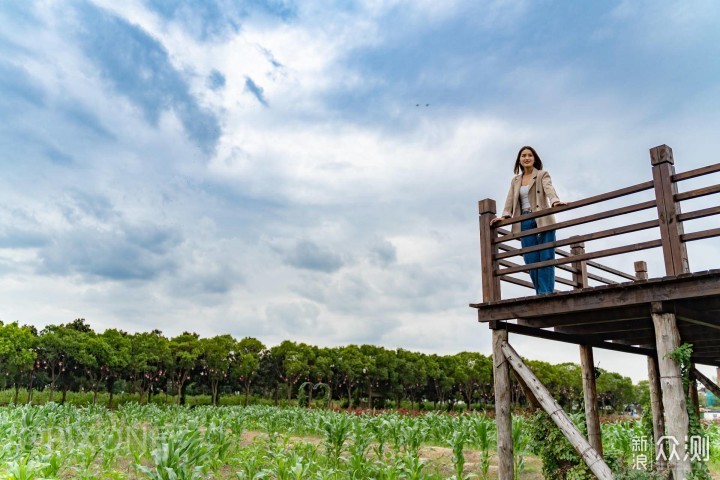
689, 237
679, 177
640, 187
585, 256
705, 212
569, 268
700, 192
582, 238
579, 221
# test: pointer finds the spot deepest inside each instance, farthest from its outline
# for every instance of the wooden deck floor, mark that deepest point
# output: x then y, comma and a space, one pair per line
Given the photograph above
618, 317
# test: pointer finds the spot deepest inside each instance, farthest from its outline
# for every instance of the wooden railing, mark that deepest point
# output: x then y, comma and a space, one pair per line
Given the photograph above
495, 251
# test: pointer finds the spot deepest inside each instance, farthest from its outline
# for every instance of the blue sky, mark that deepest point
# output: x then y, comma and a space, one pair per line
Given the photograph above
310, 170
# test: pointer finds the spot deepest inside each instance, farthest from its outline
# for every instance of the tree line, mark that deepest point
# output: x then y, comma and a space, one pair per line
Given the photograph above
73, 357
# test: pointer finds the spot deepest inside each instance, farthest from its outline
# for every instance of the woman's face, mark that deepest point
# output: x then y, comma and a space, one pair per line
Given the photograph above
527, 159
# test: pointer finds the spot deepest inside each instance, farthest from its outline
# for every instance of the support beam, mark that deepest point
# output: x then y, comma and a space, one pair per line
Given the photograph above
589, 455
658, 413
667, 337
696, 374
592, 417
503, 418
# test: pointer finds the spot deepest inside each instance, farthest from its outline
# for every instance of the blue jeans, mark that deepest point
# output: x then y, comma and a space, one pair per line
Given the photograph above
543, 279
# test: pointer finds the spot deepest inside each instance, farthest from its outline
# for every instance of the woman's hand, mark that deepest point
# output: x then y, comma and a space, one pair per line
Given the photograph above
497, 219
558, 203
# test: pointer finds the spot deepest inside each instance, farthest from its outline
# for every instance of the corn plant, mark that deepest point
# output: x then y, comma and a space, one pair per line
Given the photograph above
457, 443
484, 439
179, 457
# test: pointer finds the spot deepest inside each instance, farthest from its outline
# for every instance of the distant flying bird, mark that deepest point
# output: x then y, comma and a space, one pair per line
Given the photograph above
417, 104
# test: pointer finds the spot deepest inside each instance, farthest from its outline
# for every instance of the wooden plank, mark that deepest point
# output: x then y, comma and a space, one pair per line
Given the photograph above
592, 416
577, 221
693, 287
674, 251
600, 253
590, 456
689, 237
616, 314
640, 187
705, 212
673, 394
697, 193
678, 177
503, 418
620, 327
607, 269
658, 413
611, 232
565, 338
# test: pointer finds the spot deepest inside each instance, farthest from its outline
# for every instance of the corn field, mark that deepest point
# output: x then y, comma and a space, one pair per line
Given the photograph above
258, 442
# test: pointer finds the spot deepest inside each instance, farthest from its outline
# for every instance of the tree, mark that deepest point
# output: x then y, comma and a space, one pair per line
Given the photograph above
61, 349
17, 353
118, 360
440, 373
149, 361
218, 354
294, 361
349, 364
246, 362
184, 353
472, 371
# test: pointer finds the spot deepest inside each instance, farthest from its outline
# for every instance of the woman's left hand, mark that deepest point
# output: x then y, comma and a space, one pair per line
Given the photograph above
558, 203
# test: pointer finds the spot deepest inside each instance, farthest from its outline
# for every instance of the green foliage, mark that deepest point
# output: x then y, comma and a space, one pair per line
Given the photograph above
558, 456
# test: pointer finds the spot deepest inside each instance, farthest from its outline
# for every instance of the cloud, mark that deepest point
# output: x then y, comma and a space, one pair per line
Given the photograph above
255, 90
138, 67
216, 80
310, 256
133, 253
17, 86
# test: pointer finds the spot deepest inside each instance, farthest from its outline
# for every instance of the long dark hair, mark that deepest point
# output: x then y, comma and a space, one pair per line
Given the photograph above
537, 164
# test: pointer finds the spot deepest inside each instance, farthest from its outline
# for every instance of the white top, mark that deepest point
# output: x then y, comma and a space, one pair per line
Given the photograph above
524, 200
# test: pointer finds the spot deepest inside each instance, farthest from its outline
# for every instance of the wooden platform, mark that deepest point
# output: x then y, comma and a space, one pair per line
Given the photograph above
617, 317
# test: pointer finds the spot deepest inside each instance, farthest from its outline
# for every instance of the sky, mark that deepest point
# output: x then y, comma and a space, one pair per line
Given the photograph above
310, 170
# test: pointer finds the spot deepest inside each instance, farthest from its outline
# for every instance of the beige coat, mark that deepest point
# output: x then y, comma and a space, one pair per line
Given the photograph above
541, 195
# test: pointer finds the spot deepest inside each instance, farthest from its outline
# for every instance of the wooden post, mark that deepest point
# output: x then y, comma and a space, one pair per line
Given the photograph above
503, 418
490, 281
592, 416
580, 276
658, 413
641, 270
667, 338
501, 371
589, 455
693, 393
674, 251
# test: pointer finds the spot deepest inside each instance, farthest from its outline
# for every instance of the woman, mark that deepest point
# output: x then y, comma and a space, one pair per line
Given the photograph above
531, 190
